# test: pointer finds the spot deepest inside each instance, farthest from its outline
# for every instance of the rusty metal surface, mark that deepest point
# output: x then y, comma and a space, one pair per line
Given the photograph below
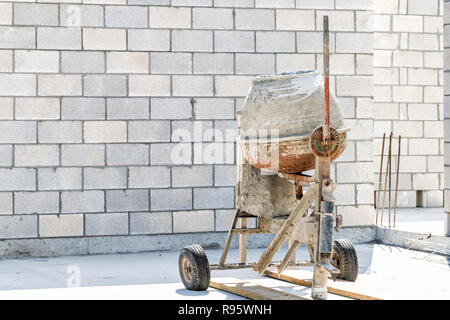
290, 156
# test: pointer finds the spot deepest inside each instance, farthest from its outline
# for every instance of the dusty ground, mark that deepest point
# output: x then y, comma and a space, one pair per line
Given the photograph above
385, 272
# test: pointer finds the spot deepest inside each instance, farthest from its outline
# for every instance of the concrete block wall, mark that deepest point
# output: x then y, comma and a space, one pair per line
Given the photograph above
447, 114
408, 95
108, 108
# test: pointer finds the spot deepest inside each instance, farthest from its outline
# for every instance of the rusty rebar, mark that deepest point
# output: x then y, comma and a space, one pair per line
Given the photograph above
380, 177
386, 179
396, 182
390, 177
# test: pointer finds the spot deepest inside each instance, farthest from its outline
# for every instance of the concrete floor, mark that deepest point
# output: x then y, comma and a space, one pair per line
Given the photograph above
385, 272
420, 220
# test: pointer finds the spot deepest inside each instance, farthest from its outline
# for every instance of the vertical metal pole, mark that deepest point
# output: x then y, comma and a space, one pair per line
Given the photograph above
379, 179
322, 169
326, 75
396, 182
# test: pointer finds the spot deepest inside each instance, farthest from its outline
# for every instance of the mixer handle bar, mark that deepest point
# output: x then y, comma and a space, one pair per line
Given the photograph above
326, 74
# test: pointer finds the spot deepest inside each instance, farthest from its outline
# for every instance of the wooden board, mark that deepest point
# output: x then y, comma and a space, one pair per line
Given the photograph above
254, 291
307, 283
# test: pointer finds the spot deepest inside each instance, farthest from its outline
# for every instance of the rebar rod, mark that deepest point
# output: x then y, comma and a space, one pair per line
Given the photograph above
390, 177
386, 180
380, 177
396, 182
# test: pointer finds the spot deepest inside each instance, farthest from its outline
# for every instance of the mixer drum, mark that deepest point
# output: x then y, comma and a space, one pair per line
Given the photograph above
279, 115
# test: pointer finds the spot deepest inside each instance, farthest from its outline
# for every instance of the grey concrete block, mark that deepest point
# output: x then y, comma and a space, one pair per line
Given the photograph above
127, 200
36, 14
82, 108
193, 221
105, 131
257, 19
36, 61
59, 132
234, 3
150, 222
36, 155
82, 201
106, 224
105, 85
197, 85
6, 108
170, 199
171, 108
214, 198
6, 158
17, 37
59, 38
213, 63
37, 108
171, 62
214, 153
127, 62
192, 40
171, 154
63, 225
149, 85
149, 177
224, 219
127, 108
59, 178
234, 41
105, 178
126, 17
149, 131
225, 130
104, 39
17, 84
127, 154
6, 203
247, 63
196, 3
224, 175
59, 85
82, 155
148, 40
18, 226
82, 62
81, 15
186, 131
214, 108
271, 41
195, 176
6, 64
170, 17
36, 202
212, 18
17, 179
17, 132
150, 2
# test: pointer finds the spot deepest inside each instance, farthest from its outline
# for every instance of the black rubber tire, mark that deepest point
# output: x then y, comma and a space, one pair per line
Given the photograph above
199, 273
344, 258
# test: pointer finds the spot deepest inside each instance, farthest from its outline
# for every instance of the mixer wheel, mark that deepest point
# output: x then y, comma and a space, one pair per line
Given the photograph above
344, 258
194, 268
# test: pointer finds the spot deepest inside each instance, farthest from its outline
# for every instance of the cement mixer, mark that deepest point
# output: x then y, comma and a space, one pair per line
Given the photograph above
290, 125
